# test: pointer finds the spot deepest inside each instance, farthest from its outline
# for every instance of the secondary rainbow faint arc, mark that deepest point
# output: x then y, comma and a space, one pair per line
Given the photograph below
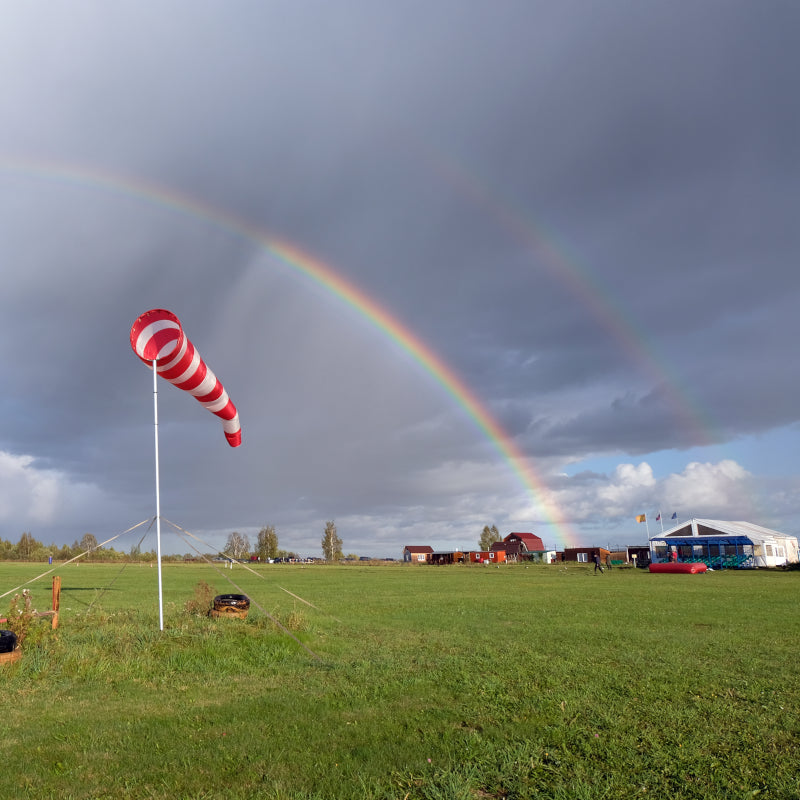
577, 280
327, 277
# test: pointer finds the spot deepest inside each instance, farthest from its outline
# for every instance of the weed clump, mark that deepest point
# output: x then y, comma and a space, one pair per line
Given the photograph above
201, 602
295, 621
22, 616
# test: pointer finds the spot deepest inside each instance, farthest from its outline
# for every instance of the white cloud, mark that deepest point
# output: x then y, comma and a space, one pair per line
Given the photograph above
40, 496
628, 485
722, 490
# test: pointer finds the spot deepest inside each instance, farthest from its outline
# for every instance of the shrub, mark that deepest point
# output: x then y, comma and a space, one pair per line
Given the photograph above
202, 600
21, 619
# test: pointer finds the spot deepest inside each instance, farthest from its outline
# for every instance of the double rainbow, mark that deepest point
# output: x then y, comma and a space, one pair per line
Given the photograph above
351, 295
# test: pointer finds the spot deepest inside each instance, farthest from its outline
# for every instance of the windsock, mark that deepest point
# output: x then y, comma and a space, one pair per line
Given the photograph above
157, 336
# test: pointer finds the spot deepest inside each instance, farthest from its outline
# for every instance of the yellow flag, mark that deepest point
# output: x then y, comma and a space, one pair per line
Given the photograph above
641, 518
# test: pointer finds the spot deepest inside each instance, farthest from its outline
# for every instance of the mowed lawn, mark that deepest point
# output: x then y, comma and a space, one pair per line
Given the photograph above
418, 682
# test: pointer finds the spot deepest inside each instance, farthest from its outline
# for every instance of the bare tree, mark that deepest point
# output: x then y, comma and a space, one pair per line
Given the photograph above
489, 537
331, 543
88, 542
238, 545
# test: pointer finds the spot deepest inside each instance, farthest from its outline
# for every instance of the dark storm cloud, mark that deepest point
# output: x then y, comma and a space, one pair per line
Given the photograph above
589, 216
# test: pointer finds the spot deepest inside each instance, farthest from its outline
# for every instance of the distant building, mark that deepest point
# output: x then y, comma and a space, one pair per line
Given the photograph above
417, 554
721, 544
526, 542
638, 554
447, 557
585, 555
524, 547
487, 556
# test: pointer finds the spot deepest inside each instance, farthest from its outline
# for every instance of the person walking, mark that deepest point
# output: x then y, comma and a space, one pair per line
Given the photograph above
597, 564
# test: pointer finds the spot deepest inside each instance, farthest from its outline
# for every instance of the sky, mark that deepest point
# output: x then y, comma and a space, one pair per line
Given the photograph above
531, 264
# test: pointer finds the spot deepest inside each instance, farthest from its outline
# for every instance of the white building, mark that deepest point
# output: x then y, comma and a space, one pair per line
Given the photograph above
722, 544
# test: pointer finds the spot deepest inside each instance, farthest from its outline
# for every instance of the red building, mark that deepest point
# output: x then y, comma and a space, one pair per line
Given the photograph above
487, 556
528, 542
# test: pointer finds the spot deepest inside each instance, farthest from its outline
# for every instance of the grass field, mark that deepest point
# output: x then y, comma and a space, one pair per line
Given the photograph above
430, 682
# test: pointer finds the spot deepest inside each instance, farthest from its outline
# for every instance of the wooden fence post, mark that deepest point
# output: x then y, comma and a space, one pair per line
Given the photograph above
56, 599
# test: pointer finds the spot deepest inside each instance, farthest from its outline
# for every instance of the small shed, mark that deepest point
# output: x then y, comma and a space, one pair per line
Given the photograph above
417, 554
585, 555
487, 556
447, 557
638, 554
511, 549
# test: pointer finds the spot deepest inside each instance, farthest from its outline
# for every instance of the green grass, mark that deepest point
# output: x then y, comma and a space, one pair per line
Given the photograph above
430, 682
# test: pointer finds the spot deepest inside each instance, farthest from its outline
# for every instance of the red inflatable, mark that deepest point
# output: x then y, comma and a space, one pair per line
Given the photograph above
679, 568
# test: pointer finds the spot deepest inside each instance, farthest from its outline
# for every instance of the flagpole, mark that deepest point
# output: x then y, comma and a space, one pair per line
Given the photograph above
158, 499
661, 520
647, 526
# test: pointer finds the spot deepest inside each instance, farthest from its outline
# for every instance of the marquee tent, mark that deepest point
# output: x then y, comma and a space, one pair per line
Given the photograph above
721, 544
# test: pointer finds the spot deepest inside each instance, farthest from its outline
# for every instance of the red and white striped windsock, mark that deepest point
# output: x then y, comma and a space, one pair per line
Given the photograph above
157, 336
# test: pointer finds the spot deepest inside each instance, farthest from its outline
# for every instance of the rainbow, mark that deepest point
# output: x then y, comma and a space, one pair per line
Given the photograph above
347, 292
553, 255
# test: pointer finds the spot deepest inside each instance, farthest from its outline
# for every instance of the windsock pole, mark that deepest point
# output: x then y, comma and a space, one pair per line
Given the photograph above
158, 500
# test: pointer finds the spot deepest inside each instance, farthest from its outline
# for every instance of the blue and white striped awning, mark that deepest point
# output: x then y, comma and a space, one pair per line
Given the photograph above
699, 540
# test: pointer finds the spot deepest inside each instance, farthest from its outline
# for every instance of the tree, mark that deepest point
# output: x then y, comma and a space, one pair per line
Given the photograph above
64, 553
238, 545
26, 546
88, 543
331, 543
489, 537
267, 546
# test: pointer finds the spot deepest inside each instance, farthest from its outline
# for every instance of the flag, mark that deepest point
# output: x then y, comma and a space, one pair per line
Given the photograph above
658, 518
675, 515
641, 518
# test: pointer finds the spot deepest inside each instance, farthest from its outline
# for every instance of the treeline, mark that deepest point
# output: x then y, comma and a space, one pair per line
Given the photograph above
29, 549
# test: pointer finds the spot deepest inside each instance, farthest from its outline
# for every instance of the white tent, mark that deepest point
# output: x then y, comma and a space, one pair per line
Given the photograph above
722, 544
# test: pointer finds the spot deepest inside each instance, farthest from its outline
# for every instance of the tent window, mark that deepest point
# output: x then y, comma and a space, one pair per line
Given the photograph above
768, 549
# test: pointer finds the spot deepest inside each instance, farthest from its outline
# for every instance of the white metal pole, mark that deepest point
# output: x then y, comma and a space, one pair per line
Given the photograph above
158, 499
661, 520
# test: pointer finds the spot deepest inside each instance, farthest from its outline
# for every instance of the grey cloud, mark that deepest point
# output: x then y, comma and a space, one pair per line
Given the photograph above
589, 218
